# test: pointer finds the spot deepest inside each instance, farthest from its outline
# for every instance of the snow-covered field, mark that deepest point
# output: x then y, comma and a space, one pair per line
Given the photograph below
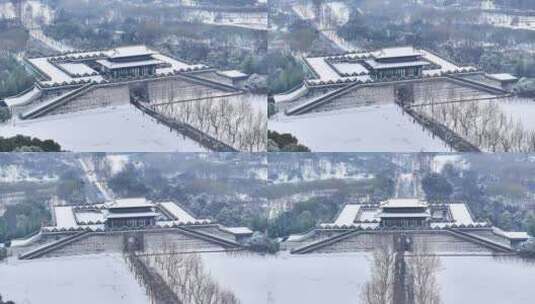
67, 280
338, 278
365, 129
520, 109
112, 129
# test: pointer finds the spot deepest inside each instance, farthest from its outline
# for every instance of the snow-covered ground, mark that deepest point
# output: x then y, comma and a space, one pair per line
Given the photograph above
66, 280
375, 128
520, 109
112, 129
339, 278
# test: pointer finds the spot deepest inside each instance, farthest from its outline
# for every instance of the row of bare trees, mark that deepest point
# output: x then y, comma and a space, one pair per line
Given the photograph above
400, 278
232, 120
187, 277
484, 124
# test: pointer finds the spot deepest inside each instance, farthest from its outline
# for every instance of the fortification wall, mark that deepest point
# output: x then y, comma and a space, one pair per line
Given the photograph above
358, 242
92, 244
360, 97
434, 241
314, 236
214, 230
443, 242
444, 90
489, 235
156, 240
114, 242
423, 90
96, 98
176, 89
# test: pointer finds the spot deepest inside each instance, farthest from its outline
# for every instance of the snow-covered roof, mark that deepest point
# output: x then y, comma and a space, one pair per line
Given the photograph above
238, 230
502, 77
404, 215
119, 65
65, 217
512, 235
77, 68
234, 74
404, 203
129, 203
396, 52
129, 51
348, 215
130, 214
180, 214
460, 214
390, 65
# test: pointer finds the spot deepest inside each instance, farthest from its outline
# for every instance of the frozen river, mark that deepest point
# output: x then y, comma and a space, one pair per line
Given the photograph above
364, 129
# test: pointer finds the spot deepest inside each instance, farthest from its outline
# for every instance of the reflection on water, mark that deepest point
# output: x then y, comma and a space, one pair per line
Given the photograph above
339, 278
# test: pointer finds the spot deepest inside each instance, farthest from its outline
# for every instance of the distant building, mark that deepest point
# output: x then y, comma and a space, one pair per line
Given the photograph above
398, 74
135, 224
78, 81
440, 228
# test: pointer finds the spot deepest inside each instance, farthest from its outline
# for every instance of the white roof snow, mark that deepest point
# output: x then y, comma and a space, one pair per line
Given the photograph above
395, 52
238, 230
323, 70
77, 68
129, 51
348, 215
89, 216
65, 217
175, 64
380, 65
404, 203
350, 67
55, 74
460, 214
130, 214
129, 203
503, 77
234, 74
119, 65
512, 235
179, 213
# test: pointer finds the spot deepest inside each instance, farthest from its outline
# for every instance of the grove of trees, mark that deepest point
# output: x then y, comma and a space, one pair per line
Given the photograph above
236, 122
22, 143
13, 77
483, 124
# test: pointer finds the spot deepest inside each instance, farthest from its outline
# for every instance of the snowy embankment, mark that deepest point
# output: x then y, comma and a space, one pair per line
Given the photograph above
239, 121
498, 125
365, 129
66, 280
121, 128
